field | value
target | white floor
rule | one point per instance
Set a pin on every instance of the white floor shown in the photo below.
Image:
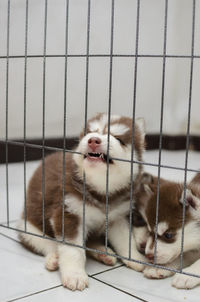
(23, 276)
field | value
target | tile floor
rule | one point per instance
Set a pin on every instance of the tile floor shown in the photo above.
(23, 276)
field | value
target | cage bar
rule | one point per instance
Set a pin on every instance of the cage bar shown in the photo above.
(43, 116)
(188, 131)
(161, 125)
(65, 118)
(25, 94)
(64, 150)
(133, 124)
(7, 108)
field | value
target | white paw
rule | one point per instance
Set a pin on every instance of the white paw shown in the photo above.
(184, 281)
(134, 265)
(51, 261)
(75, 280)
(106, 259)
(156, 273)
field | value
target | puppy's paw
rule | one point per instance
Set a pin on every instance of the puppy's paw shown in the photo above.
(134, 265)
(184, 281)
(156, 273)
(106, 259)
(51, 261)
(75, 280)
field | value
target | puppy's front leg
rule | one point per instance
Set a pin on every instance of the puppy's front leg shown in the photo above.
(71, 258)
(118, 235)
(185, 281)
(151, 272)
(72, 267)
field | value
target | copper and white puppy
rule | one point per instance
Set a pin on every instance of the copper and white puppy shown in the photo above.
(170, 230)
(92, 161)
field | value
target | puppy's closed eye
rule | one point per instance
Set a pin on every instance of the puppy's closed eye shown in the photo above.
(120, 140)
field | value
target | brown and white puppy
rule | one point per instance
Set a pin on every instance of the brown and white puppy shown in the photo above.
(169, 238)
(140, 229)
(92, 161)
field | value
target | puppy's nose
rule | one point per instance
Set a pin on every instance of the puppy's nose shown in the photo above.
(150, 256)
(94, 142)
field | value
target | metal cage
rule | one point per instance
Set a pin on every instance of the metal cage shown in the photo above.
(87, 57)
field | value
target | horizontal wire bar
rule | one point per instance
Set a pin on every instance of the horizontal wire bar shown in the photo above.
(102, 55)
(113, 158)
(100, 252)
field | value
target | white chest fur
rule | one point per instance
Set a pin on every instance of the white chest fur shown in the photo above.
(95, 217)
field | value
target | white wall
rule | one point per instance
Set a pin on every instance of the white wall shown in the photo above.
(149, 78)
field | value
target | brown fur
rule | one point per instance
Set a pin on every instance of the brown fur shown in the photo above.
(28, 246)
(127, 137)
(170, 209)
(170, 195)
(49, 190)
(53, 193)
(196, 179)
(71, 223)
(139, 144)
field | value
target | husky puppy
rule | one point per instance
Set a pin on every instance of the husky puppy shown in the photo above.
(169, 238)
(90, 160)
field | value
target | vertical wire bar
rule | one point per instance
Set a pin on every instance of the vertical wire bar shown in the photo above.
(25, 90)
(188, 131)
(64, 118)
(43, 119)
(161, 126)
(133, 125)
(109, 113)
(86, 111)
(7, 79)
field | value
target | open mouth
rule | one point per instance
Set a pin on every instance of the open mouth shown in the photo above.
(97, 157)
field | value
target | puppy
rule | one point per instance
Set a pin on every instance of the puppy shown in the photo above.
(66, 223)
(140, 229)
(170, 230)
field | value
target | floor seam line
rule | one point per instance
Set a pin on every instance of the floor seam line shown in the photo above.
(35, 293)
(119, 289)
(107, 270)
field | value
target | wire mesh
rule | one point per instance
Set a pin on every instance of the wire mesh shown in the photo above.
(132, 161)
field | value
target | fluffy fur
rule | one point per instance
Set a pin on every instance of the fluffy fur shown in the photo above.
(171, 200)
(90, 162)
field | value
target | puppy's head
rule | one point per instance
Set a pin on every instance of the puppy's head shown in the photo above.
(170, 213)
(94, 149)
(140, 230)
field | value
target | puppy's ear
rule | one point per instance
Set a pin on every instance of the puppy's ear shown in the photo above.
(149, 189)
(191, 201)
(196, 179)
(147, 178)
(81, 135)
(140, 123)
